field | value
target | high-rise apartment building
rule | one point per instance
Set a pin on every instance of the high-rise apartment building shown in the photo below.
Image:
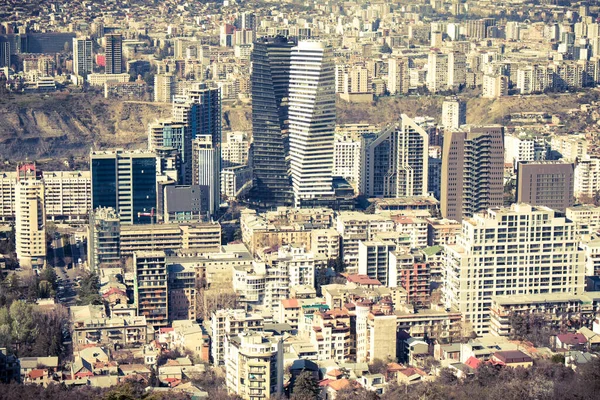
(521, 250)
(228, 322)
(104, 247)
(587, 177)
(398, 76)
(437, 72)
(312, 116)
(30, 218)
(270, 78)
(524, 148)
(125, 181)
(395, 162)
(546, 183)
(151, 287)
(457, 69)
(254, 365)
(472, 171)
(454, 113)
(114, 53)
(82, 57)
(164, 87)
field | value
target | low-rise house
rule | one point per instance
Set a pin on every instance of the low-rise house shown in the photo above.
(28, 364)
(570, 341)
(373, 382)
(512, 358)
(410, 376)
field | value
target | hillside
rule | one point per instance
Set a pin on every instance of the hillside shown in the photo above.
(70, 124)
(64, 125)
(479, 110)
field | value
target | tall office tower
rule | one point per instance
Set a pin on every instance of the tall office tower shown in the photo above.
(82, 57)
(398, 75)
(437, 72)
(254, 365)
(30, 218)
(151, 287)
(165, 134)
(312, 120)
(521, 250)
(454, 113)
(270, 90)
(472, 171)
(164, 87)
(199, 108)
(125, 181)
(546, 183)
(206, 171)
(395, 162)
(114, 53)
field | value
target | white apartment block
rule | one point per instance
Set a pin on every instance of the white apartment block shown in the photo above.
(164, 87)
(325, 243)
(523, 148)
(437, 72)
(519, 250)
(587, 177)
(398, 76)
(570, 147)
(300, 265)
(454, 113)
(355, 227)
(586, 217)
(254, 365)
(331, 335)
(494, 86)
(230, 322)
(373, 259)
(68, 195)
(415, 228)
(590, 244)
(347, 151)
(234, 150)
(30, 222)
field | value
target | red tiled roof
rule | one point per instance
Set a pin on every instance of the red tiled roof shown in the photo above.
(290, 303)
(572, 338)
(362, 280)
(473, 362)
(37, 373)
(335, 373)
(338, 384)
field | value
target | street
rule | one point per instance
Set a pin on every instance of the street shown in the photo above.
(68, 258)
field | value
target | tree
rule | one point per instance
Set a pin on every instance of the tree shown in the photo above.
(386, 49)
(23, 327)
(355, 392)
(306, 387)
(378, 366)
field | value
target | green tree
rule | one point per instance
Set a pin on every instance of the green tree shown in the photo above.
(49, 275)
(306, 387)
(23, 328)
